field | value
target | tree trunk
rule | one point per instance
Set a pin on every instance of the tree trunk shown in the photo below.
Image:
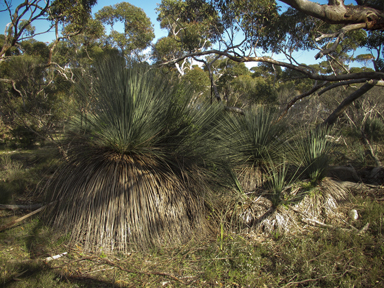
(346, 102)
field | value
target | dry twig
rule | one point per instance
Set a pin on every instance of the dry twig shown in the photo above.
(6, 226)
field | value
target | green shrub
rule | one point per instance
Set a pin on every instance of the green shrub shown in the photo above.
(24, 137)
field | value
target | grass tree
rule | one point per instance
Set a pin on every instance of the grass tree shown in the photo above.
(255, 147)
(139, 164)
(253, 140)
(311, 151)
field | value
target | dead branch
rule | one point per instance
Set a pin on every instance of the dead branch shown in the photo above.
(234, 109)
(343, 83)
(340, 275)
(364, 229)
(9, 225)
(321, 224)
(299, 97)
(370, 149)
(379, 83)
(55, 257)
(315, 222)
(346, 102)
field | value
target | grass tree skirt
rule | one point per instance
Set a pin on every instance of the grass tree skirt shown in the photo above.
(255, 213)
(322, 204)
(109, 201)
(250, 178)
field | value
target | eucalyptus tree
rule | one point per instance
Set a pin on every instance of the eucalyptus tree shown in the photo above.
(138, 31)
(192, 25)
(34, 80)
(26, 13)
(36, 102)
(244, 29)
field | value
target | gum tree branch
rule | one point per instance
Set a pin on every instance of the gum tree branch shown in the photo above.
(347, 101)
(307, 71)
(336, 12)
(339, 37)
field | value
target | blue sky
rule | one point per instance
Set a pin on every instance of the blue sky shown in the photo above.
(149, 7)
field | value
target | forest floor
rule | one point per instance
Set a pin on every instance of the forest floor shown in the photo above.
(314, 257)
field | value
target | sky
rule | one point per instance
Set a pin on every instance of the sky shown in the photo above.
(149, 7)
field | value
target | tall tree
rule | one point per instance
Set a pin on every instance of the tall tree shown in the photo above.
(138, 31)
(34, 85)
(26, 13)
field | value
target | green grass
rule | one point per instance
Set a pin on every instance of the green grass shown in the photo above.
(22, 171)
(325, 258)
(316, 257)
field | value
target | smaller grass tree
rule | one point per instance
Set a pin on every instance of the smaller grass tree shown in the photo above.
(311, 151)
(139, 164)
(253, 140)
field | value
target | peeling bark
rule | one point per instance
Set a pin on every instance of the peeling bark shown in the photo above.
(337, 13)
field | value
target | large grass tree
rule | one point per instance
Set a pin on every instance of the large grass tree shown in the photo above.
(139, 164)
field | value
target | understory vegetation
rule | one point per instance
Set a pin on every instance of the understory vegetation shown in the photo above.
(152, 187)
(310, 257)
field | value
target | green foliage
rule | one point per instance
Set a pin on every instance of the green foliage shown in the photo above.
(191, 23)
(166, 48)
(24, 136)
(142, 156)
(257, 19)
(138, 31)
(71, 11)
(277, 181)
(38, 98)
(17, 178)
(374, 42)
(254, 137)
(311, 151)
(36, 49)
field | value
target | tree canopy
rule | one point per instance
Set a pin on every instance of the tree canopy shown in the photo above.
(138, 31)
(243, 30)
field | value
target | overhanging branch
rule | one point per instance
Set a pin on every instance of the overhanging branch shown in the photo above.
(307, 71)
(347, 101)
(339, 36)
(336, 12)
